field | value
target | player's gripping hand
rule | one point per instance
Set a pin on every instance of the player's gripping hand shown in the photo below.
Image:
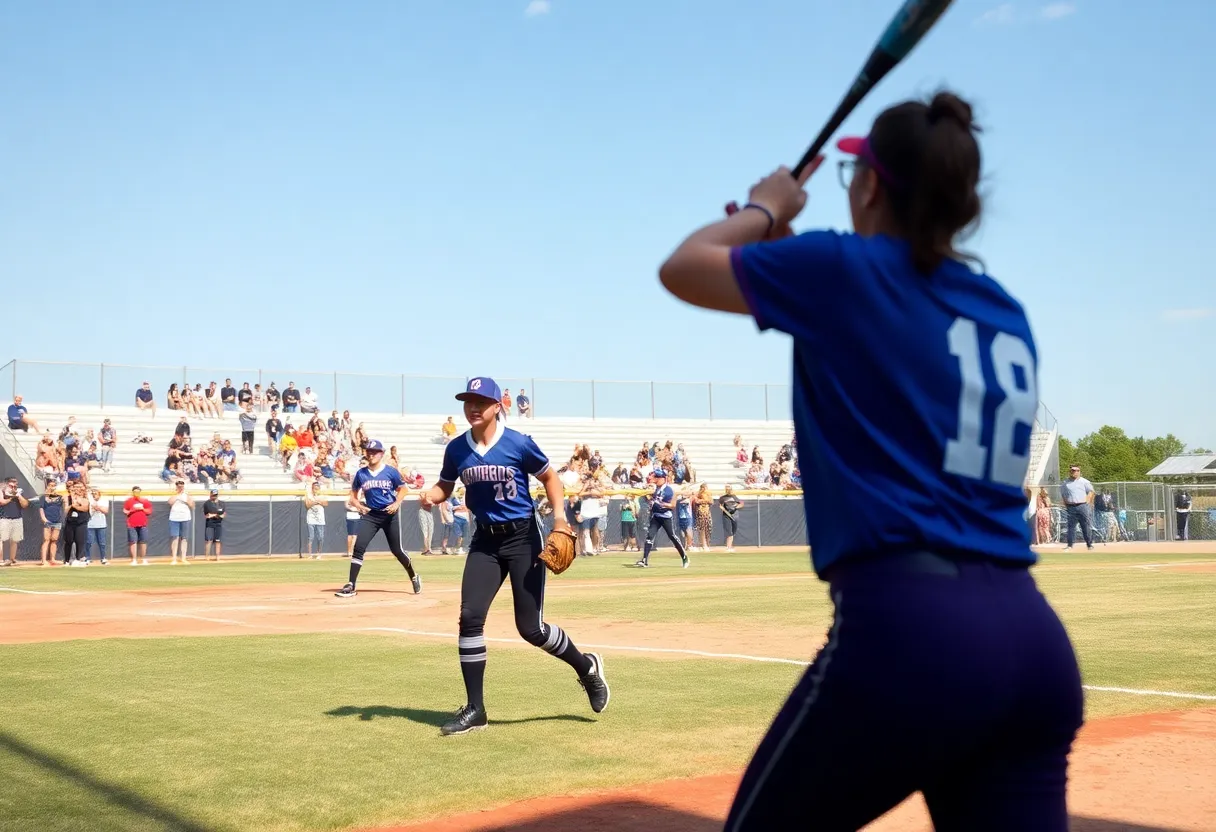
(783, 196)
(392, 509)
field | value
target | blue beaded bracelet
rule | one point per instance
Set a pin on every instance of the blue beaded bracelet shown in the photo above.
(771, 220)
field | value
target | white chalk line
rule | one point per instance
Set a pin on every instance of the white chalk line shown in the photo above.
(40, 591)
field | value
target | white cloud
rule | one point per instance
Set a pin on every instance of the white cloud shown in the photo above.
(537, 8)
(1057, 10)
(1193, 314)
(1002, 15)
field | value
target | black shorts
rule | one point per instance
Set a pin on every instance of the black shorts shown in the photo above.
(629, 528)
(215, 533)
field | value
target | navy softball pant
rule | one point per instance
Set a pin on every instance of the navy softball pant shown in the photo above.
(952, 678)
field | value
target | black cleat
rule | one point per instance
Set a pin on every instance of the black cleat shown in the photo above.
(641, 564)
(467, 719)
(595, 684)
(347, 591)
(417, 584)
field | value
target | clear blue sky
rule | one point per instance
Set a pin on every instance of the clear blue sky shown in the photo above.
(239, 183)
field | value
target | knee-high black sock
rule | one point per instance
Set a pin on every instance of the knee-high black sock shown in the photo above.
(472, 651)
(557, 643)
(356, 563)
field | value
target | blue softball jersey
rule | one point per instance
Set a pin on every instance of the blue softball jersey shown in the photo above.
(662, 494)
(379, 488)
(914, 395)
(495, 478)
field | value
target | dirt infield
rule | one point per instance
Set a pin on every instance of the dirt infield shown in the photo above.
(1150, 773)
(1146, 773)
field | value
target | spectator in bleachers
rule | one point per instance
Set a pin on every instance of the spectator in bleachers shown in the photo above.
(291, 398)
(215, 405)
(173, 398)
(74, 467)
(107, 441)
(51, 513)
(448, 431)
(304, 440)
(636, 478)
(137, 510)
(144, 400)
(207, 470)
(230, 472)
(316, 426)
(228, 396)
(303, 471)
(620, 474)
(46, 461)
(360, 445)
(12, 526)
(274, 433)
(19, 416)
(757, 459)
(189, 404)
(340, 471)
(259, 399)
(333, 423)
(308, 401)
(244, 396)
(523, 404)
(506, 404)
(703, 519)
(249, 424)
(181, 512)
(273, 396)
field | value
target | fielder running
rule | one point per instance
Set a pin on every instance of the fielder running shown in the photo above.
(383, 490)
(662, 501)
(494, 463)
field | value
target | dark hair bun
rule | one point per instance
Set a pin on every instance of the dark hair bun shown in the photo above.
(946, 105)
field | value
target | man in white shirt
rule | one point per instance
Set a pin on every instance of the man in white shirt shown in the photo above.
(1077, 494)
(308, 401)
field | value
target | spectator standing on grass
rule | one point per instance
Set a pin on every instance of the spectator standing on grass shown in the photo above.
(228, 396)
(703, 518)
(144, 400)
(1182, 509)
(76, 525)
(729, 504)
(426, 521)
(214, 512)
(1077, 494)
(629, 523)
(99, 521)
(12, 526)
(50, 511)
(448, 521)
(181, 511)
(19, 416)
(249, 424)
(314, 519)
(137, 510)
(352, 522)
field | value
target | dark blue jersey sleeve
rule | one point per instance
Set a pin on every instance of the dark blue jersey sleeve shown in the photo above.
(450, 470)
(532, 459)
(792, 284)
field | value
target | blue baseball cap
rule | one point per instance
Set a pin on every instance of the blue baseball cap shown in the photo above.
(374, 445)
(480, 388)
(659, 472)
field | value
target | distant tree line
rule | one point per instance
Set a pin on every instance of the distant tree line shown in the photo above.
(1110, 455)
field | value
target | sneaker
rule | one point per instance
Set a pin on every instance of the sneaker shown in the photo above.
(417, 583)
(347, 591)
(685, 563)
(641, 564)
(467, 719)
(595, 684)
(104, 561)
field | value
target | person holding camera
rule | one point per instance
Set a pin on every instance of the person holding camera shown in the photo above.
(12, 526)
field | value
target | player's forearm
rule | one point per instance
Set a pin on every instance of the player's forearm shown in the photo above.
(439, 493)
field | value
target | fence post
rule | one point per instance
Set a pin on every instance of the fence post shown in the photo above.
(759, 522)
(184, 371)
(592, 398)
(335, 392)
(766, 402)
(403, 394)
(532, 413)
(14, 379)
(710, 387)
(652, 400)
(270, 525)
(101, 386)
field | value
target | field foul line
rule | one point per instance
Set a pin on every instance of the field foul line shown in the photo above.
(41, 591)
(1134, 692)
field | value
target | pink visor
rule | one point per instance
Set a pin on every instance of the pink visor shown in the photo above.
(860, 147)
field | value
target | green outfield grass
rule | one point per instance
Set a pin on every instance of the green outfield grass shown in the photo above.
(333, 731)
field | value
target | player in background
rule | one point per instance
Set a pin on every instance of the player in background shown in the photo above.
(662, 501)
(382, 490)
(914, 395)
(494, 463)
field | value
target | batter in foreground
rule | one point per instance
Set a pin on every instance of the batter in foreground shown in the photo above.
(915, 391)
